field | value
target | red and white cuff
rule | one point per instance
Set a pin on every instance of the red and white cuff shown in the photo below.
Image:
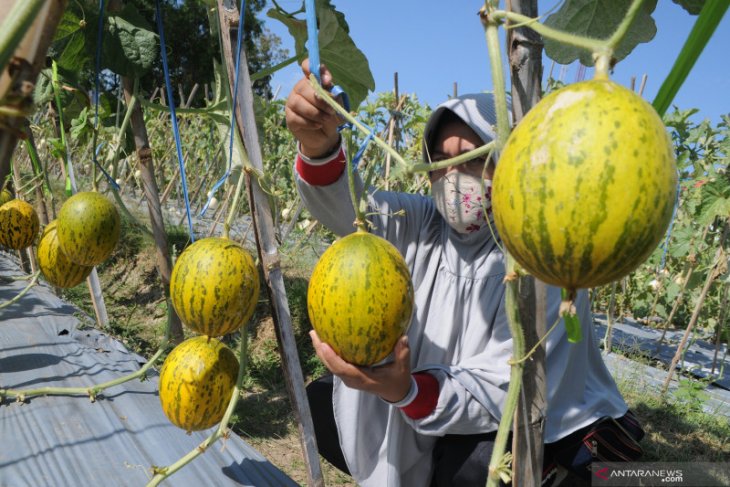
(422, 397)
(323, 171)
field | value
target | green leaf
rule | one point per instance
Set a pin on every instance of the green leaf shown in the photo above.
(714, 201)
(681, 242)
(598, 19)
(691, 6)
(131, 45)
(337, 50)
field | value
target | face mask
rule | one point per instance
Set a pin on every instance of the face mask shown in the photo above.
(461, 201)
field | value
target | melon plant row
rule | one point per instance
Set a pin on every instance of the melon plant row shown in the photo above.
(214, 289)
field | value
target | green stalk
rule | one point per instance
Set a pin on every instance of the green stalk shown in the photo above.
(705, 25)
(620, 32)
(587, 43)
(499, 462)
(59, 107)
(237, 195)
(33, 152)
(265, 72)
(22, 293)
(359, 213)
(454, 161)
(325, 95)
(92, 392)
(161, 473)
(500, 96)
(16, 24)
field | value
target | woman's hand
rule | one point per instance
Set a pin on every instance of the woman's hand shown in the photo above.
(391, 381)
(310, 119)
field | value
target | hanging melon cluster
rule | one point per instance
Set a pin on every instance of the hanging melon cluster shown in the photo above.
(214, 289)
(19, 222)
(83, 236)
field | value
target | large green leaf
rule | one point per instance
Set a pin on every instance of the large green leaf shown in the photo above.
(69, 43)
(691, 6)
(715, 200)
(598, 19)
(130, 45)
(348, 64)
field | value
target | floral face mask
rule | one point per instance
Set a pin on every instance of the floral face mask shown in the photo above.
(460, 199)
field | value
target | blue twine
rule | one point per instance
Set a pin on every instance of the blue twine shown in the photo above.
(312, 39)
(97, 70)
(239, 42)
(173, 117)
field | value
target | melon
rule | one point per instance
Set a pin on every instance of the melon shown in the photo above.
(88, 228)
(19, 224)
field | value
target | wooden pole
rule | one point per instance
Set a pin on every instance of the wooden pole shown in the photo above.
(266, 241)
(525, 58)
(21, 75)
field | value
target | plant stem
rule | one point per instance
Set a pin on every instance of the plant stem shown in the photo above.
(537, 345)
(237, 195)
(618, 35)
(324, 95)
(454, 161)
(265, 72)
(587, 43)
(92, 392)
(16, 24)
(500, 96)
(496, 463)
(222, 430)
(22, 293)
(70, 185)
(359, 213)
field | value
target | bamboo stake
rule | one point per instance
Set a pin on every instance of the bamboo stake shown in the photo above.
(266, 242)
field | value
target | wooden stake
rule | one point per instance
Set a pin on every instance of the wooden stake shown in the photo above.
(266, 242)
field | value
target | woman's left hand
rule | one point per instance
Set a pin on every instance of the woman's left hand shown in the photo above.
(391, 381)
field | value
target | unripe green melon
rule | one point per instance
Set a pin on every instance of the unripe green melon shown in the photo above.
(585, 186)
(19, 224)
(56, 268)
(360, 298)
(88, 228)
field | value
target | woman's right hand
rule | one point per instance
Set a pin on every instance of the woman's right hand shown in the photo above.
(310, 119)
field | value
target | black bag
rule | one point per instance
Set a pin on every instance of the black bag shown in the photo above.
(606, 440)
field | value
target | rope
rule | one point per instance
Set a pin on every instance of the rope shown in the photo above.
(173, 118)
(239, 42)
(97, 70)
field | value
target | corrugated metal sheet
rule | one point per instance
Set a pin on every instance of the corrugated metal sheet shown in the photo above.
(70, 441)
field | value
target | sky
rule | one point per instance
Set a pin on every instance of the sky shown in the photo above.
(434, 43)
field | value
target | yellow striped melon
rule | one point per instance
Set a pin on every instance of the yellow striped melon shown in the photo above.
(5, 196)
(585, 186)
(214, 286)
(88, 228)
(56, 268)
(360, 297)
(196, 383)
(19, 224)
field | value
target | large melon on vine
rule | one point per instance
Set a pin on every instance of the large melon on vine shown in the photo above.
(585, 186)
(19, 224)
(360, 297)
(196, 383)
(214, 286)
(88, 228)
(56, 268)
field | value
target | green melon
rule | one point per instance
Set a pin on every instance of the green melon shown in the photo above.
(214, 286)
(56, 268)
(585, 186)
(360, 298)
(197, 381)
(19, 224)
(88, 228)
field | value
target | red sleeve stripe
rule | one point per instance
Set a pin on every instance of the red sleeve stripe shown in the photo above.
(427, 397)
(321, 174)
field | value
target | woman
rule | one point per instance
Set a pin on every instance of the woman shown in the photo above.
(429, 417)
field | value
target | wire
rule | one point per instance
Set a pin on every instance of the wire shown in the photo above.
(173, 117)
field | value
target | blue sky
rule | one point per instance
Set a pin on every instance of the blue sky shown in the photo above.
(434, 43)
